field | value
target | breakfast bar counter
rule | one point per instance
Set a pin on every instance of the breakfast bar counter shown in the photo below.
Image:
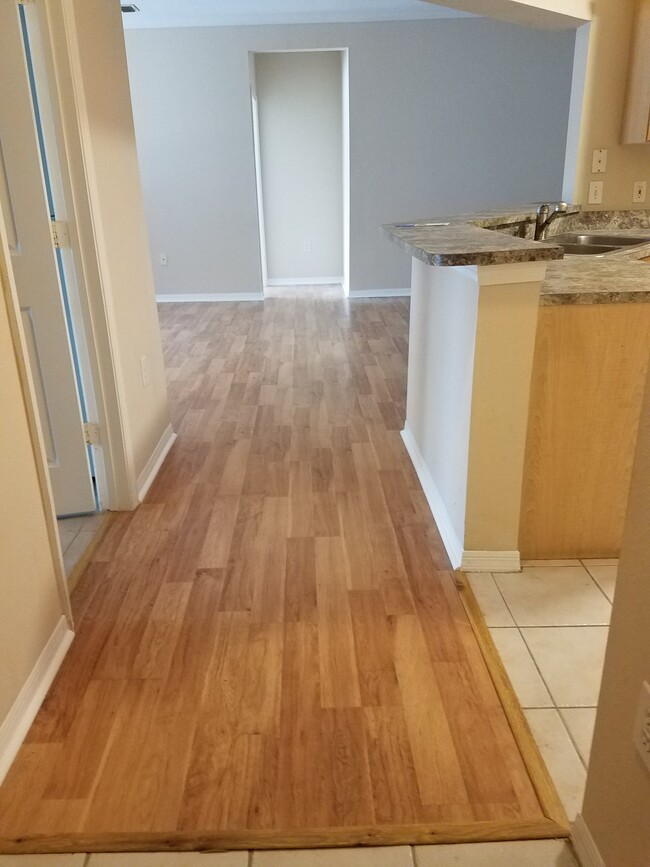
(525, 378)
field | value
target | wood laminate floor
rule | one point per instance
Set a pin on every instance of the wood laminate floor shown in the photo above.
(273, 644)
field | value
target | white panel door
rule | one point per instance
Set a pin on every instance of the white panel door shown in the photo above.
(23, 199)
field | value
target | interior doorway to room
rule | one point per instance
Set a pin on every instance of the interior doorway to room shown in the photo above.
(31, 212)
(36, 214)
(301, 132)
(33, 206)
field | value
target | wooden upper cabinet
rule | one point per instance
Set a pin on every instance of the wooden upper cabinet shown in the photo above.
(636, 118)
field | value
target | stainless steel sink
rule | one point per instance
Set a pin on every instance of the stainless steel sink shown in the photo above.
(585, 244)
(587, 249)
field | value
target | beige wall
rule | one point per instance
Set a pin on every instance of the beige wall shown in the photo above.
(30, 605)
(503, 363)
(109, 236)
(617, 800)
(300, 125)
(118, 201)
(602, 111)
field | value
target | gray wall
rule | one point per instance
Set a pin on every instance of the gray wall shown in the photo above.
(445, 116)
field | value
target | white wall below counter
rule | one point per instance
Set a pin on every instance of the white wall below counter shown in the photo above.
(448, 116)
(471, 343)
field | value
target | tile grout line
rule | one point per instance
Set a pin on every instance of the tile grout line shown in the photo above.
(584, 566)
(530, 652)
(546, 686)
(571, 738)
(539, 671)
(551, 626)
(555, 706)
(518, 628)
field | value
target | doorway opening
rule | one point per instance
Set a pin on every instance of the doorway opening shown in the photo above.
(34, 205)
(300, 113)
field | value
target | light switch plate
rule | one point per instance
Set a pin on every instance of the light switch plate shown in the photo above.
(599, 161)
(638, 192)
(596, 192)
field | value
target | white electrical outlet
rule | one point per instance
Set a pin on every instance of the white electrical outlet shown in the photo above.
(596, 192)
(307, 246)
(144, 370)
(163, 258)
(599, 161)
(638, 193)
(642, 727)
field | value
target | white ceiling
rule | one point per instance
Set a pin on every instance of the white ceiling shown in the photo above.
(210, 13)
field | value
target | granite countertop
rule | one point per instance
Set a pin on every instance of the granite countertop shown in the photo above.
(471, 239)
(487, 238)
(616, 277)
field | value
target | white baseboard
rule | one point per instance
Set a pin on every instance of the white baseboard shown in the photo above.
(21, 715)
(379, 293)
(154, 463)
(438, 508)
(304, 281)
(491, 561)
(209, 296)
(584, 844)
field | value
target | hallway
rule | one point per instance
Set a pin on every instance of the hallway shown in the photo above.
(272, 649)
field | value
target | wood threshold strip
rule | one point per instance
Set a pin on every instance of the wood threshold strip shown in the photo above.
(531, 756)
(556, 824)
(326, 838)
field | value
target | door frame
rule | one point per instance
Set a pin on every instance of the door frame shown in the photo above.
(41, 113)
(61, 80)
(345, 143)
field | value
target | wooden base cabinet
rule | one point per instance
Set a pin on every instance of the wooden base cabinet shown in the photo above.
(588, 377)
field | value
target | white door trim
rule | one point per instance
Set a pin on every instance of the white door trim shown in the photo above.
(63, 63)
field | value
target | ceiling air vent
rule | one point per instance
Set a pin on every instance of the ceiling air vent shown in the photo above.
(129, 7)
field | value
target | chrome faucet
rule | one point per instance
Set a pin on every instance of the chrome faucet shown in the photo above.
(545, 217)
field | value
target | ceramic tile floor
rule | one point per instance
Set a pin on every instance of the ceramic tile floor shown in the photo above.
(550, 626)
(529, 853)
(548, 623)
(75, 535)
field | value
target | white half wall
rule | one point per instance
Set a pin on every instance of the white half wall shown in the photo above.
(471, 342)
(445, 116)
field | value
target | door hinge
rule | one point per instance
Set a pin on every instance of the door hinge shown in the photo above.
(60, 234)
(91, 433)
